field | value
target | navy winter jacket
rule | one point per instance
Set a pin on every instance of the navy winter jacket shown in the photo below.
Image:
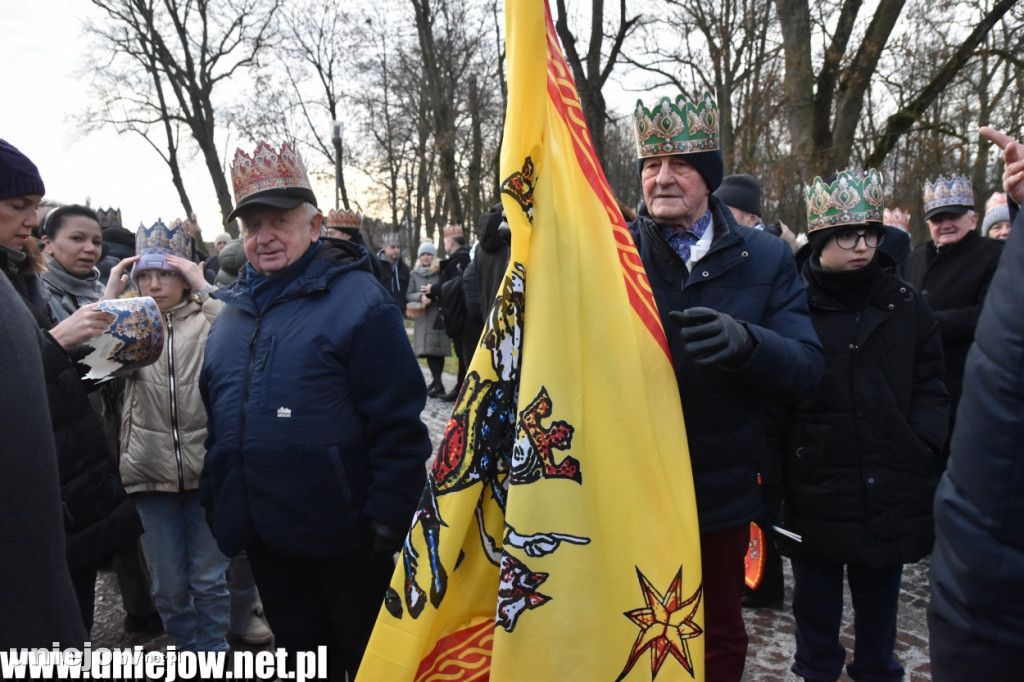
(314, 405)
(977, 571)
(752, 277)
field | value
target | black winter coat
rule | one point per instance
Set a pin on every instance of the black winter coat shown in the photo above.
(394, 277)
(39, 604)
(752, 277)
(977, 571)
(954, 281)
(99, 519)
(861, 461)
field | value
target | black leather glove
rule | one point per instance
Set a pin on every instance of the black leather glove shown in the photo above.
(713, 338)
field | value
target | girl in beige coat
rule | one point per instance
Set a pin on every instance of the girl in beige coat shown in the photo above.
(162, 433)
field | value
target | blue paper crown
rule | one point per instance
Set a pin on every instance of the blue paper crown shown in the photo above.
(160, 239)
(956, 191)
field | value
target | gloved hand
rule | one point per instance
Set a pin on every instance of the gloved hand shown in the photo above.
(713, 338)
(387, 540)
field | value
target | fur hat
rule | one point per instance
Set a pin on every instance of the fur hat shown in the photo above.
(19, 177)
(742, 192)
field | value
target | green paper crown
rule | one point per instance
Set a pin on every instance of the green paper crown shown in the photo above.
(676, 128)
(855, 198)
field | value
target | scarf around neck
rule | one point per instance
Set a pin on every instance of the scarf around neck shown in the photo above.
(83, 290)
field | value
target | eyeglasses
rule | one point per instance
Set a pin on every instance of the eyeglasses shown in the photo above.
(849, 240)
(164, 276)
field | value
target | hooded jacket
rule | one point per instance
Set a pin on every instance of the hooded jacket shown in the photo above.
(314, 403)
(163, 426)
(752, 277)
(862, 457)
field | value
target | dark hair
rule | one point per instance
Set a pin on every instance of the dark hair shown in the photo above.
(54, 220)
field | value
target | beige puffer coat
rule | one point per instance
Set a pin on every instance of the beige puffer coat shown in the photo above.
(164, 422)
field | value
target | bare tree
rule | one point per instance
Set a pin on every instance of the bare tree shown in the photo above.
(825, 108)
(588, 70)
(186, 48)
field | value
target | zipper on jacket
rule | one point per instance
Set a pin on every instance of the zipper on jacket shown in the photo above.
(248, 383)
(175, 433)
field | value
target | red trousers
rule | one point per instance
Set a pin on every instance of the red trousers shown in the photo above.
(725, 637)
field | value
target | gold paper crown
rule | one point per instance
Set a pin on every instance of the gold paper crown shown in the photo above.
(453, 230)
(956, 191)
(856, 197)
(161, 239)
(267, 169)
(109, 217)
(995, 201)
(897, 217)
(676, 128)
(344, 219)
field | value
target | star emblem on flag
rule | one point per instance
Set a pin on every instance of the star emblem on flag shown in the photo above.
(666, 625)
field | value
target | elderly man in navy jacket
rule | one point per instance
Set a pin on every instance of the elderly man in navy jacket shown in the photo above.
(740, 334)
(316, 451)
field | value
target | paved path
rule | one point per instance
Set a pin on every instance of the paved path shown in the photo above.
(771, 632)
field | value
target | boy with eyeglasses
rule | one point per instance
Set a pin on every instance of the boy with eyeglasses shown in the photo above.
(862, 453)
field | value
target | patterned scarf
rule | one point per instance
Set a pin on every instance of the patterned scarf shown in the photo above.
(680, 240)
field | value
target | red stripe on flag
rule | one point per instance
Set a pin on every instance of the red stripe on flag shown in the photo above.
(565, 99)
(462, 656)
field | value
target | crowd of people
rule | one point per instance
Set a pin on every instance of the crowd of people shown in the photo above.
(255, 480)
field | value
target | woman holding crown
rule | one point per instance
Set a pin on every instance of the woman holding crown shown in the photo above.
(861, 461)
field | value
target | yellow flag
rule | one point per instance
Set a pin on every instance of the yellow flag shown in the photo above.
(557, 538)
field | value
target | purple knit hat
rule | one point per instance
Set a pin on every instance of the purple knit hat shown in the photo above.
(19, 177)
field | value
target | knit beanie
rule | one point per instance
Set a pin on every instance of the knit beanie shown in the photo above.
(996, 211)
(19, 177)
(708, 164)
(742, 192)
(426, 247)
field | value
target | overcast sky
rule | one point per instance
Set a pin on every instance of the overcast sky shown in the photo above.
(40, 52)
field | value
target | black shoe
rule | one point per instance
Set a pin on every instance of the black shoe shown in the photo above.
(451, 395)
(151, 623)
(435, 389)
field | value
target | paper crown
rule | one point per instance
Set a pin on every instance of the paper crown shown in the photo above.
(856, 197)
(109, 217)
(997, 200)
(956, 191)
(453, 230)
(676, 127)
(267, 169)
(344, 219)
(897, 217)
(160, 239)
(391, 239)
